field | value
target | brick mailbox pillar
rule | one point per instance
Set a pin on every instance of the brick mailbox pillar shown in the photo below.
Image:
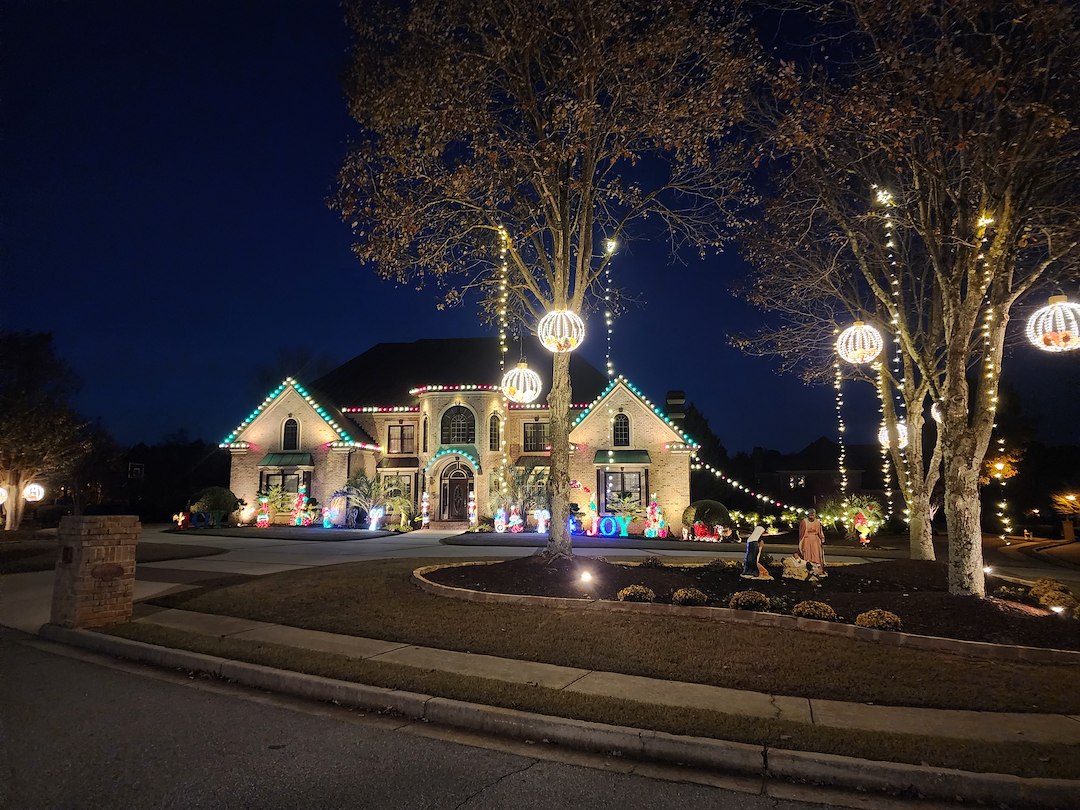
(95, 574)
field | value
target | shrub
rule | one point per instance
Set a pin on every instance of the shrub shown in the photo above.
(689, 596)
(1058, 599)
(749, 600)
(1044, 587)
(651, 562)
(777, 604)
(711, 513)
(767, 560)
(218, 501)
(636, 593)
(688, 516)
(879, 619)
(1011, 592)
(720, 564)
(814, 610)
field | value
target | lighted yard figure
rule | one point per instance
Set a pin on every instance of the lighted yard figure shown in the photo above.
(862, 527)
(516, 524)
(374, 516)
(542, 517)
(654, 522)
(500, 520)
(425, 511)
(328, 517)
(298, 513)
(262, 516)
(593, 522)
(472, 507)
(181, 519)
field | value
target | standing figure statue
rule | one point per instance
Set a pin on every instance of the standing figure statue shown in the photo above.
(812, 542)
(752, 567)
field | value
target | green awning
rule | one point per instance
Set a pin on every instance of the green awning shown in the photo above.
(622, 457)
(287, 460)
(398, 463)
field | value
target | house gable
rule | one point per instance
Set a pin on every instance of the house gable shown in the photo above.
(592, 426)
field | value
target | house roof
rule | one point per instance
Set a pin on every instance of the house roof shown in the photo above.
(349, 433)
(385, 373)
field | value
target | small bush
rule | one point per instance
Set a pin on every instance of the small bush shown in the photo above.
(636, 593)
(218, 501)
(651, 562)
(879, 619)
(1011, 592)
(777, 604)
(749, 600)
(1046, 585)
(711, 513)
(1058, 599)
(767, 560)
(814, 610)
(689, 596)
(719, 564)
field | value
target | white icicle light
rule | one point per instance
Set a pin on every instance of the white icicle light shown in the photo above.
(859, 343)
(34, 492)
(1055, 327)
(901, 434)
(521, 384)
(561, 331)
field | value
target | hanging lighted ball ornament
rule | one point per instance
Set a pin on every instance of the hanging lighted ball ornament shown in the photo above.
(521, 384)
(3, 495)
(1055, 327)
(859, 343)
(935, 413)
(901, 435)
(34, 492)
(561, 331)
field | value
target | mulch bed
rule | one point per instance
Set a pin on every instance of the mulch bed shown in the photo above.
(915, 590)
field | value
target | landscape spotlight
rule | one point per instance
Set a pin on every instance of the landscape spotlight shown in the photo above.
(987, 569)
(1058, 609)
(586, 576)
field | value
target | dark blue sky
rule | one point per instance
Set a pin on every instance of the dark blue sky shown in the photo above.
(164, 169)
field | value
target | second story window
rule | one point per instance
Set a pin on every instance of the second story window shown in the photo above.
(401, 439)
(537, 437)
(493, 432)
(620, 430)
(458, 426)
(290, 435)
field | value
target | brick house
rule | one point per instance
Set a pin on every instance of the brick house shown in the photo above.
(430, 415)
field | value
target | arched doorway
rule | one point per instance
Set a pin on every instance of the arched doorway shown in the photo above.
(455, 482)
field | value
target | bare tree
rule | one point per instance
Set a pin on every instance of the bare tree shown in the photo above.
(929, 167)
(535, 131)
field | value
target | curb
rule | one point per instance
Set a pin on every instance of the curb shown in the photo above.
(719, 755)
(977, 649)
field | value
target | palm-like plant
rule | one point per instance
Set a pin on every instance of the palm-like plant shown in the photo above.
(368, 492)
(516, 486)
(626, 505)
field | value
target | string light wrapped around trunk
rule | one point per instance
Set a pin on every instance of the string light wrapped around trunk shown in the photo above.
(521, 384)
(561, 331)
(1055, 327)
(859, 343)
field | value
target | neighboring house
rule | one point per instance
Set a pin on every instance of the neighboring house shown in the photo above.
(429, 415)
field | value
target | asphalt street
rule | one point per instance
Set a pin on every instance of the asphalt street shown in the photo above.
(79, 732)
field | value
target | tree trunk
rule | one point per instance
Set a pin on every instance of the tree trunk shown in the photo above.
(962, 514)
(559, 544)
(15, 505)
(920, 529)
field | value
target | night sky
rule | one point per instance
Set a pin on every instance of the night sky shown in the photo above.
(165, 168)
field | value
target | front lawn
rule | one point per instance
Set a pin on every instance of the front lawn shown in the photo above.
(379, 599)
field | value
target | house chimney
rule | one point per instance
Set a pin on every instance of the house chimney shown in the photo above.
(676, 405)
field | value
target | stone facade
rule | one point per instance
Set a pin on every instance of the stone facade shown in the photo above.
(94, 582)
(427, 464)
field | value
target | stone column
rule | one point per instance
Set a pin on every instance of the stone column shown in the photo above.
(95, 573)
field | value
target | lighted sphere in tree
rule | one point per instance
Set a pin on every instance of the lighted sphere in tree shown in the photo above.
(859, 343)
(561, 331)
(34, 492)
(3, 495)
(521, 384)
(901, 435)
(1055, 327)
(935, 412)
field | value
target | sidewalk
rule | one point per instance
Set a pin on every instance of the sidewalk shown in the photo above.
(973, 726)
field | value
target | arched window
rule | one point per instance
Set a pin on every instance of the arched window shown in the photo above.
(458, 426)
(493, 432)
(620, 430)
(425, 435)
(290, 435)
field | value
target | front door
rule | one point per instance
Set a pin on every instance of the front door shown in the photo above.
(456, 483)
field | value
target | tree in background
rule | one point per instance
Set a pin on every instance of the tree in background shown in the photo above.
(41, 437)
(932, 174)
(533, 132)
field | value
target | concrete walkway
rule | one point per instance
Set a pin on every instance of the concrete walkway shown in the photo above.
(952, 724)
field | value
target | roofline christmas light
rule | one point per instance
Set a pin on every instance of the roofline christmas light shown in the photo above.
(289, 382)
(611, 386)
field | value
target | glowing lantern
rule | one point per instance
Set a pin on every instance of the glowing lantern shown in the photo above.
(521, 384)
(561, 331)
(3, 495)
(1055, 327)
(935, 412)
(34, 492)
(859, 343)
(901, 434)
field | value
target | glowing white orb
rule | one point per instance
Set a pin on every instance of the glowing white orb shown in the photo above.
(859, 343)
(935, 413)
(561, 331)
(521, 384)
(34, 492)
(1055, 327)
(901, 434)
(3, 495)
